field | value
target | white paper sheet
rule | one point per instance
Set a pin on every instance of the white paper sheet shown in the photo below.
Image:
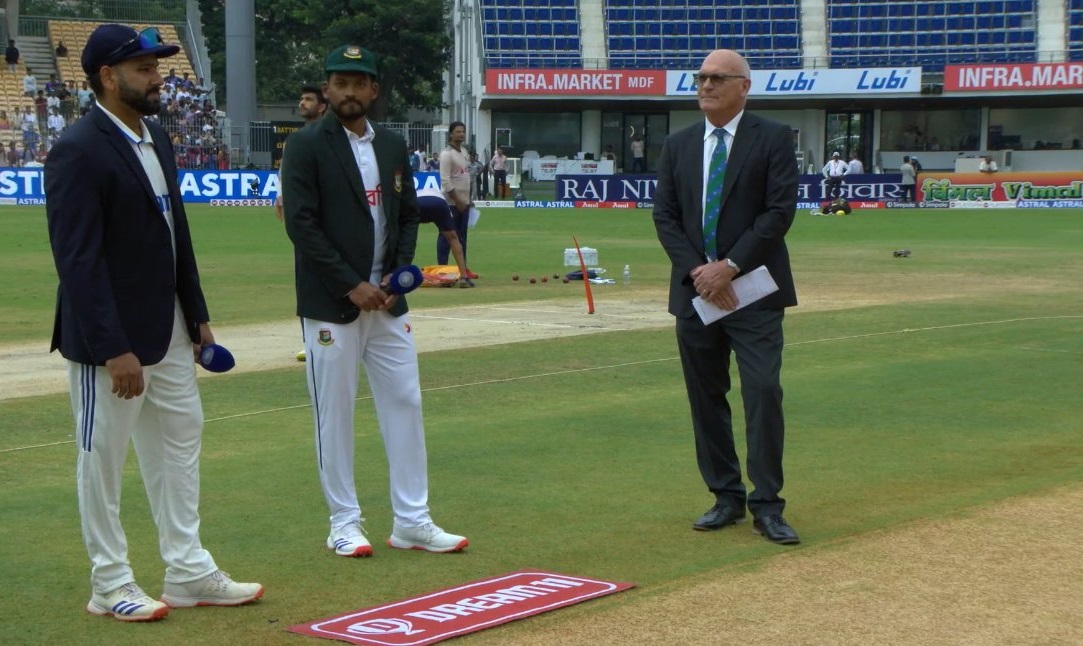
(749, 288)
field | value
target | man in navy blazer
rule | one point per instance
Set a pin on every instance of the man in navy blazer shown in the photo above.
(712, 237)
(130, 313)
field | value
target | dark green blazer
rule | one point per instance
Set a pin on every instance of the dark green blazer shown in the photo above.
(329, 221)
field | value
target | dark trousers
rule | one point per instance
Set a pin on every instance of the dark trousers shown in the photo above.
(443, 249)
(907, 192)
(834, 185)
(639, 164)
(755, 338)
(500, 183)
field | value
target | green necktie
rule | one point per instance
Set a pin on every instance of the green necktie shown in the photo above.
(713, 207)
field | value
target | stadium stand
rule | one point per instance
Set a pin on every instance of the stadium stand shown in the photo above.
(1075, 30)
(531, 33)
(75, 33)
(930, 34)
(677, 34)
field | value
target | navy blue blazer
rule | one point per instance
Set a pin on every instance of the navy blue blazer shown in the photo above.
(759, 201)
(119, 280)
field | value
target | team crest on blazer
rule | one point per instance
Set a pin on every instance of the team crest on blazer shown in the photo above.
(398, 181)
(325, 337)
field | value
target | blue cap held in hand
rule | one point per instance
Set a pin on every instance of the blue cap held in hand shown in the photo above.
(215, 358)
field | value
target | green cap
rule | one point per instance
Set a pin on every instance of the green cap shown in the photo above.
(351, 58)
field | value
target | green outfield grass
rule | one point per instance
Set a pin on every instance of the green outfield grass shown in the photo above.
(930, 385)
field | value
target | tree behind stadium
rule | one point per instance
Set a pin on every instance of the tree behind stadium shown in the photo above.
(411, 40)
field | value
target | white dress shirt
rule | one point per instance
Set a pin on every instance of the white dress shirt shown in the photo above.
(365, 156)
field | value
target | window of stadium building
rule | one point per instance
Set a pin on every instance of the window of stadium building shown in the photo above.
(556, 133)
(1035, 129)
(912, 131)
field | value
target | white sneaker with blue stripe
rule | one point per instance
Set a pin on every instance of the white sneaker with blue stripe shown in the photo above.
(127, 603)
(215, 589)
(349, 540)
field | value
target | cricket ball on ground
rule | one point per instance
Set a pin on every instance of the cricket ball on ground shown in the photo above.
(533, 280)
(567, 280)
(515, 276)
(545, 279)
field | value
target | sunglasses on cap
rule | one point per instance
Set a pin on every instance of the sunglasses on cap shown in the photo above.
(149, 38)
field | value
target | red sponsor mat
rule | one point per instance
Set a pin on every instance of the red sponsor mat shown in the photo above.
(463, 609)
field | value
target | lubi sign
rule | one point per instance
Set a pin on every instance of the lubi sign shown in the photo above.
(879, 80)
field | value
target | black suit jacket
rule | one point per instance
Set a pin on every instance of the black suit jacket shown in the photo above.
(759, 200)
(119, 279)
(328, 218)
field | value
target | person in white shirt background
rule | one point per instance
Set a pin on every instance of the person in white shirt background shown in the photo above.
(855, 167)
(987, 165)
(834, 170)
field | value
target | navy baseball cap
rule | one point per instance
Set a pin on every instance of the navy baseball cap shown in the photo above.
(110, 44)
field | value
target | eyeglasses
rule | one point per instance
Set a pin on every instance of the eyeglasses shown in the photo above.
(716, 79)
(149, 38)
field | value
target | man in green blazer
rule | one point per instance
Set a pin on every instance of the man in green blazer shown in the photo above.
(351, 212)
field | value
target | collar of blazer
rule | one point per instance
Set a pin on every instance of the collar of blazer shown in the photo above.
(119, 141)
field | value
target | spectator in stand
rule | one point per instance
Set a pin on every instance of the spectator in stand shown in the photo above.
(52, 101)
(30, 84)
(66, 96)
(11, 55)
(61, 49)
(55, 122)
(5, 123)
(204, 88)
(172, 77)
(29, 156)
(167, 93)
(187, 83)
(41, 105)
(223, 157)
(52, 85)
(85, 97)
(12, 155)
(30, 127)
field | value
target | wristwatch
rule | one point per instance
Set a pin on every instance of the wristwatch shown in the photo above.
(732, 264)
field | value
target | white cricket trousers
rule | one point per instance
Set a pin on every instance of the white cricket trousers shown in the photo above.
(166, 424)
(384, 344)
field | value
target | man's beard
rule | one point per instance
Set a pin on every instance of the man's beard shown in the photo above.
(349, 110)
(141, 103)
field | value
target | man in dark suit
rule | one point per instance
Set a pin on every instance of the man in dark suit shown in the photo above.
(130, 312)
(726, 196)
(351, 211)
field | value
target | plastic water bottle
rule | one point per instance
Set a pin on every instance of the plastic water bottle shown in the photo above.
(626, 275)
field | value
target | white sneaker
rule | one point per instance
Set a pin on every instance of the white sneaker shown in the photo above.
(215, 589)
(427, 537)
(127, 603)
(350, 541)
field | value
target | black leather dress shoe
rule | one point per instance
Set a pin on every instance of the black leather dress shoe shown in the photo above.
(775, 529)
(718, 517)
